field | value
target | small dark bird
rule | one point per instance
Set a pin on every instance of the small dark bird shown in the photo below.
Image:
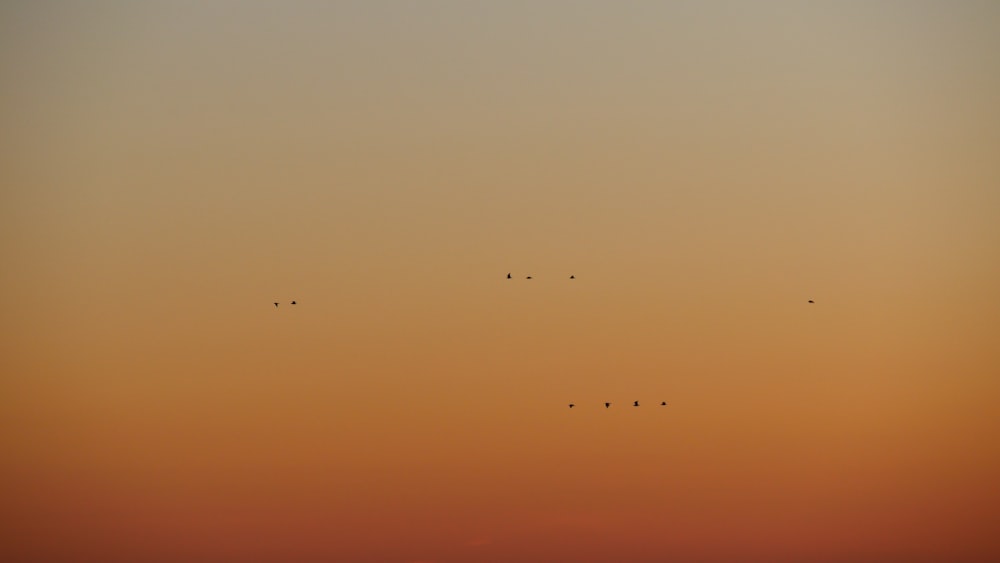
(572, 277)
(663, 404)
(811, 301)
(571, 405)
(607, 405)
(635, 404)
(275, 305)
(528, 278)
(293, 303)
(508, 275)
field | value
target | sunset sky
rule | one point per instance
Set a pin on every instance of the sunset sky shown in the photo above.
(169, 169)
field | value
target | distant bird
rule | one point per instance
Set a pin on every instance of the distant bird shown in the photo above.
(508, 275)
(663, 404)
(635, 404)
(607, 405)
(811, 301)
(293, 303)
(528, 278)
(572, 277)
(275, 305)
(571, 405)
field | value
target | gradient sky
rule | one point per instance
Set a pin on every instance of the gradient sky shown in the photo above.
(169, 169)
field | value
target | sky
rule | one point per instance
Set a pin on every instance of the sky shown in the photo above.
(169, 170)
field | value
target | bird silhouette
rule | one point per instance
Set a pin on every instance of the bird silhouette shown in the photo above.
(663, 404)
(293, 303)
(508, 275)
(571, 405)
(528, 278)
(811, 301)
(276, 305)
(572, 277)
(635, 404)
(607, 405)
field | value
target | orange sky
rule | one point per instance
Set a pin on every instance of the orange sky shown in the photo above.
(169, 169)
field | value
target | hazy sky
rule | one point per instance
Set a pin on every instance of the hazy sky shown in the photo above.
(170, 169)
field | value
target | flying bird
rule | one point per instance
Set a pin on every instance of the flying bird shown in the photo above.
(275, 305)
(528, 278)
(607, 405)
(636, 404)
(811, 301)
(571, 405)
(572, 277)
(508, 275)
(663, 404)
(293, 303)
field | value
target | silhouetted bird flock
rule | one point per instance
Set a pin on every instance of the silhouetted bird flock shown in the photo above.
(634, 404)
(529, 277)
(607, 405)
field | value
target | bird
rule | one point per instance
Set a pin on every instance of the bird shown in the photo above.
(528, 278)
(571, 405)
(276, 305)
(635, 404)
(508, 275)
(572, 277)
(607, 405)
(663, 404)
(811, 301)
(293, 303)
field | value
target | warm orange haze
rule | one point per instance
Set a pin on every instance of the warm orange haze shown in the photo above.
(170, 170)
